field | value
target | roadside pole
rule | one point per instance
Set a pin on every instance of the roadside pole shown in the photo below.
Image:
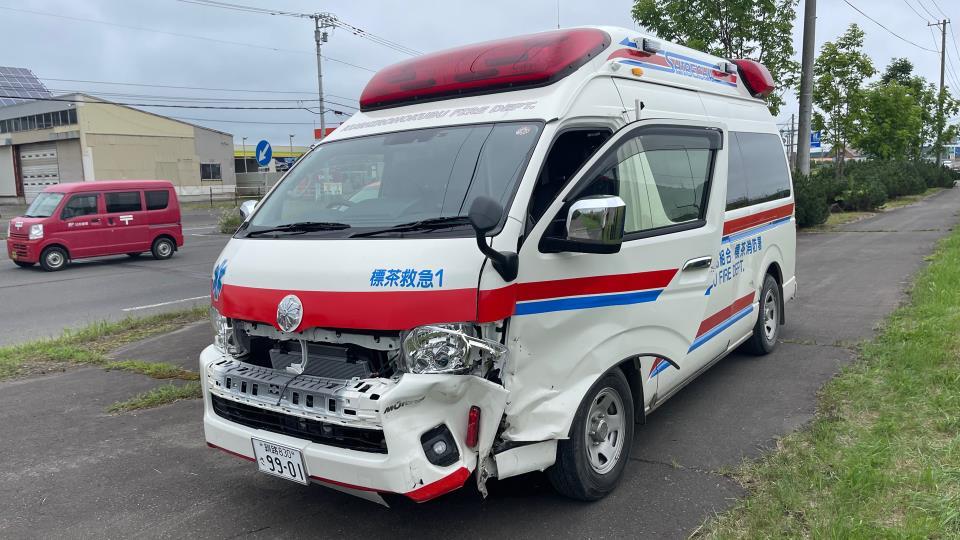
(806, 86)
(941, 121)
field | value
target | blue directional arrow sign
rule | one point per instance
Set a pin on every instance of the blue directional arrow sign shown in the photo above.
(264, 153)
(814, 139)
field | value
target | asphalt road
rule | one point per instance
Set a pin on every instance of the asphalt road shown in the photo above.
(34, 303)
(70, 468)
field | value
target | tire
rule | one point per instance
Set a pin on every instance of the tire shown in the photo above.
(23, 264)
(582, 470)
(162, 248)
(133, 255)
(53, 258)
(767, 330)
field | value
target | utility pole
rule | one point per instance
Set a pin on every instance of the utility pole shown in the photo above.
(321, 22)
(943, 58)
(244, 154)
(793, 149)
(806, 86)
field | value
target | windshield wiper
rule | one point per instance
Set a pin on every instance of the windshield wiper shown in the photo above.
(431, 224)
(301, 227)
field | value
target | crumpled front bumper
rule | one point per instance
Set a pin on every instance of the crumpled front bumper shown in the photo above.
(405, 410)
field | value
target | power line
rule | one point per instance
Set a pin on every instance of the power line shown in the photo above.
(898, 36)
(224, 107)
(244, 121)
(915, 11)
(920, 3)
(938, 8)
(157, 85)
(194, 99)
(177, 34)
(327, 17)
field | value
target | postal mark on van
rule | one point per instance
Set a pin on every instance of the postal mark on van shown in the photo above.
(502, 238)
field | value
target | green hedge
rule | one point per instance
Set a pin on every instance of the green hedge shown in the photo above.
(863, 186)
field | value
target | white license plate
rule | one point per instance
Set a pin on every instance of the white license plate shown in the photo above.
(279, 460)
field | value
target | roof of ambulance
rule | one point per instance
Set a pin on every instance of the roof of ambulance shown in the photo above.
(673, 65)
(106, 185)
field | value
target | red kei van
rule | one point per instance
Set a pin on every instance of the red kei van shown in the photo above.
(92, 219)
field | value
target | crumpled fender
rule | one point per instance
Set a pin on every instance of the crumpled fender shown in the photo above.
(420, 402)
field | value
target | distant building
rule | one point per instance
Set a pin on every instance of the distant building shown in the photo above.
(81, 138)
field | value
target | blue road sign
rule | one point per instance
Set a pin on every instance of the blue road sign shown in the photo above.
(264, 153)
(814, 139)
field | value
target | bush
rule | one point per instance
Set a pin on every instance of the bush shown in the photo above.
(865, 191)
(810, 198)
(229, 221)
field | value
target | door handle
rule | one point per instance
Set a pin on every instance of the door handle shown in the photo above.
(699, 263)
(95, 220)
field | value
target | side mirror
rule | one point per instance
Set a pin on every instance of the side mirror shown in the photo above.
(485, 214)
(594, 225)
(247, 208)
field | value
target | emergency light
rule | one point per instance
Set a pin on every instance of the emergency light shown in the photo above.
(756, 76)
(507, 64)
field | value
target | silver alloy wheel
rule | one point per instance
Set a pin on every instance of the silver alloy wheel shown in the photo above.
(164, 249)
(770, 318)
(55, 259)
(605, 429)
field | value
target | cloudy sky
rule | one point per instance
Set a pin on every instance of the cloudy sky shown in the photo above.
(153, 44)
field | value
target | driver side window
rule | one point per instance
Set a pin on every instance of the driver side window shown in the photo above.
(80, 205)
(663, 177)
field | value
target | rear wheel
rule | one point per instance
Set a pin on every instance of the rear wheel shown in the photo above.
(767, 329)
(590, 463)
(53, 258)
(162, 248)
(23, 264)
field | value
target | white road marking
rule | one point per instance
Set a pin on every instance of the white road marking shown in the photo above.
(200, 228)
(165, 303)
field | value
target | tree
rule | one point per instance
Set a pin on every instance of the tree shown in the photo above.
(889, 122)
(761, 30)
(839, 73)
(899, 70)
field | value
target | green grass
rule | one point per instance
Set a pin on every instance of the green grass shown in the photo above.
(155, 370)
(882, 457)
(90, 344)
(161, 395)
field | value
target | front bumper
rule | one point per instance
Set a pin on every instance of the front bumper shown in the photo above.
(404, 410)
(23, 250)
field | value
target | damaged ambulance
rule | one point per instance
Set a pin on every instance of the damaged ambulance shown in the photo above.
(511, 255)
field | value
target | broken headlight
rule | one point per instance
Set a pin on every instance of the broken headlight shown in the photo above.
(226, 338)
(447, 348)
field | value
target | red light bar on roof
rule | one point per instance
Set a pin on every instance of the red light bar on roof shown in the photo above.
(494, 66)
(756, 76)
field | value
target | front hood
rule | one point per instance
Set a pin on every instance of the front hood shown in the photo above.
(389, 284)
(25, 223)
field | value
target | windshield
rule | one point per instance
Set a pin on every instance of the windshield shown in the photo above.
(44, 205)
(381, 181)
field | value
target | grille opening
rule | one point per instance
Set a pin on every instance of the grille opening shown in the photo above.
(332, 405)
(328, 360)
(363, 440)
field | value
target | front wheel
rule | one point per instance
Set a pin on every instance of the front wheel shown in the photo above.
(162, 248)
(53, 258)
(590, 463)
(767, 329)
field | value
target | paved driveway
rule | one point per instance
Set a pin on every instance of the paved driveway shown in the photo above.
(71, 469)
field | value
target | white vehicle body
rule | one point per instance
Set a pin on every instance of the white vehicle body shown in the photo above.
(681, 292)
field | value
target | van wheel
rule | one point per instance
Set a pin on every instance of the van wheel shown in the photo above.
(162, 248)
(23, 264)
(767, 329)
(53, 258)
(590, 463)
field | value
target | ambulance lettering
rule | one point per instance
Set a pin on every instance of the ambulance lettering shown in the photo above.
(407, 278)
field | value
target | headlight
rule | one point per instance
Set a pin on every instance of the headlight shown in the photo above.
(447, 348)
(225, 336)
(36, 231)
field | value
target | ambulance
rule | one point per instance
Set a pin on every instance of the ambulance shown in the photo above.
(510, 256)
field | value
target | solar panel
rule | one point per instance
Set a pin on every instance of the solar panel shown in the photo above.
(18, 85)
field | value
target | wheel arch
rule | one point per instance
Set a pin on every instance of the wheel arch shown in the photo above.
(167, 236)
(54, 244)
(774, 270)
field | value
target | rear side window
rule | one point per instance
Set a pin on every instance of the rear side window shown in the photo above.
(80, 205)
(737, 196)
(157, 200)
(767, 176)
(123, 201)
